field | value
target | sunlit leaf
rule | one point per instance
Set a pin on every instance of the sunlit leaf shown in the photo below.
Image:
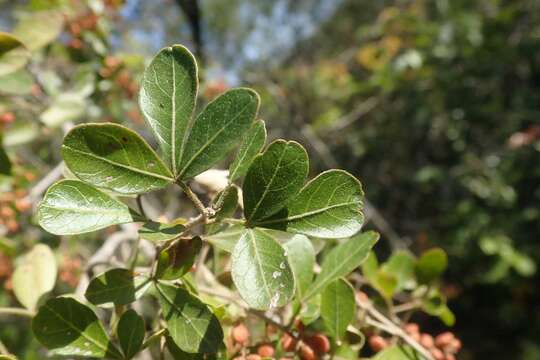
(34, 275)
(261, 271)
(65, 107)
(217, 129)
(73, 207)
(17, 83)
(343, 259)
(226, 239)
(167, 99)
(191, 324)
(13, 54)
(179, 259)
(37, 29)
(156, 232)
(301, 257)
(329, 206)
(253, 143)
(337, 307)
(114, 157)
(273, 178)
(70, 328)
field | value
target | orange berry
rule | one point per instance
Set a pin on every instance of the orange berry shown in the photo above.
(12, 225)
(288, 343)
(450, 357)
(240, 334)
(7, 117)
(285, 358)
(299, 325)
(411, 328)
(6, 212)
(377, 343)
(437, 354)
(319, 343)
(362, 297)
(306, 353)
(454, 346)
(444, 339)
(426, 341)
(22, 204)
(266, 350)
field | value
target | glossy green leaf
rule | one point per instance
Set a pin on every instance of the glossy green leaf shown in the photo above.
(431, 265)
(34, 275)
(343, 259)
(261, 271)
(386, 283)
(397, 353)
(337, 307)
(253, 143)
(301, 256)
(273, 178)
(130, 332)
(70, 328)
(73, 207)
(370, 266)
(226, 239)
(217, 129)
(13, 54)
(178, 260)
(156, 232)
(179, 354)
(191, 324)
(38, 29)
(114, 157)
(329, 206)
(17, 83)
(167, 99)
(311, 310)
(118, 286)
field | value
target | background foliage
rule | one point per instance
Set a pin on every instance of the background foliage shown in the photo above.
(434, 105)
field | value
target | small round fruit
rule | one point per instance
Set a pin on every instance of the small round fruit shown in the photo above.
(426, 341)
(444, 339)
(437, 354)
(306, 352)
(319, 343)
(288, 343)
(266, 350)
(240, 334)
(411, 328)
(377, 343)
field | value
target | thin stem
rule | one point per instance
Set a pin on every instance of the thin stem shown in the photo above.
(194, 199)
(234, 221)
(152, 338)
(405, 307)
(16, 311)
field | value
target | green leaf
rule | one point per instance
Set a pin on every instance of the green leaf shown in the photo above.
(337, 307)
(301, 256)
(226, 203)
(130, 333)
(226, 239)
(217, 129)
(431, 265)
(13, 54)
(167, 99)
(329, 206)
(113, 157)
(73, 207)
(179, 259)
(118, 286)
(386, 283)
(311, 310)
(397, 352)
(17, 83)
(156, 232)
(273, 178)
(343, 259)
(261, 271)
(38, 29)
(179, 354)
(65, 107)
(401, 265)
(191, 324)
(370, 267)
(251, 146)
(70, 328)
(34, 275)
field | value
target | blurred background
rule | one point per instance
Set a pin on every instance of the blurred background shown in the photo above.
(433, 104)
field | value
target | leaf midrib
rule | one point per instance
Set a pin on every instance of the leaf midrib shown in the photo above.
(307, 214)
(114, 163)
